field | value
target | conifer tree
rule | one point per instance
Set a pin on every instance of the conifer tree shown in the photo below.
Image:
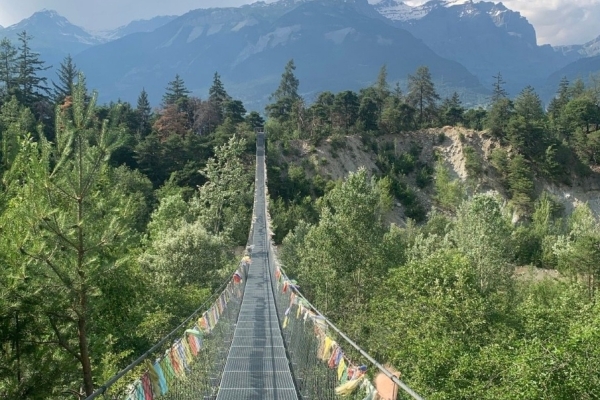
(143, 112)
(499, 92)
(67, 76)
(286, 94)
(452, 110)
(8, 67)
(422, 94)
(74, 230)
(176, 92)
(217, 96)
(382, 87)
(32, 88)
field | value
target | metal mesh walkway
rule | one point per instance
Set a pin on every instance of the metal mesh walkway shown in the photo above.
(257, 366)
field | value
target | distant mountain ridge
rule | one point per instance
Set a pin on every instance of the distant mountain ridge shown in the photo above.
(335, 46)
(465, 43)
(137, 26)
(485, 37)
(589, 49)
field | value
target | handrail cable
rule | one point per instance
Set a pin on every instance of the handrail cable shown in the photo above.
(382, 368)
(102, 389)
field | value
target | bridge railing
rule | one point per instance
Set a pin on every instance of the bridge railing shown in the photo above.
(325, 362)
(189, 361)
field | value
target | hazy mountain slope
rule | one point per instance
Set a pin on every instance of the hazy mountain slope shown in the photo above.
(334, 44)
(142, 25)
(485, 37)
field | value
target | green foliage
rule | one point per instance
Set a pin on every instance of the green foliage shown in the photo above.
(176, 92)
(499, 116)
(473, 162)
(67, 78)
(223, 201)
(449, 192)
(520, 183)
(482, 234)
(578, 252)
(286, 94)
(75, 230)
(422, 95)
(345, 249)
(424, 176)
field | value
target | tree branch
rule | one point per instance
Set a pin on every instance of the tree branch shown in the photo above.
(61, 340)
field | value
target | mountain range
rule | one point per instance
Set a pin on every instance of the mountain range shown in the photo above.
(336, 45)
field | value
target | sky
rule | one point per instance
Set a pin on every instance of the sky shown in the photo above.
(556, 22)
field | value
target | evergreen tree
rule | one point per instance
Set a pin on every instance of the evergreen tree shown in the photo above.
(556, 108)
(74, 234)
(235, 111)
(452, 110)
(67, 77)
(288, 87)
(422, 94)
(398, 92)
(577, 89)
(382, 88)
(529, 105)
(9, 68)
(560, 100)
(217, 95)
(144, 113)
(32, 88)
(498, 117)
(255, 120)
(526, 130)
(520, 182)
(16, 122)
(345, 107)
(498, 92)
(368, 113)
(286, 94)
(176, 92)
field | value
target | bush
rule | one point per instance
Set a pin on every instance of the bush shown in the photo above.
(473, 162)
(424, 176)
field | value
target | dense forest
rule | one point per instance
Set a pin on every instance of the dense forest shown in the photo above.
(438, 297)
(118, 220)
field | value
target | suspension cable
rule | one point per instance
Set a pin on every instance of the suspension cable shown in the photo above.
(102, 389)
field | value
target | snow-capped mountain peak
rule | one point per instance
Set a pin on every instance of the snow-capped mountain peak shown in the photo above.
(397, 10)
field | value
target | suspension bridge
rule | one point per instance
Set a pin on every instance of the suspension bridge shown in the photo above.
(256, 338)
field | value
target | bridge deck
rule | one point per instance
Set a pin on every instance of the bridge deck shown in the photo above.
(257, 366)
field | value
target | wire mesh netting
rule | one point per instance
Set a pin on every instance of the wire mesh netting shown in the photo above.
(261, 339)
(192, 365)
(321, 369)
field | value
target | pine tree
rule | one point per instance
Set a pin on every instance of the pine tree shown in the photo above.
(499, 115)
(288, 87)
(144, 113)
(422, 94)
(176, 92)
(76, 231)
(498, 92)
(452, 110)
(235, 111)
(218, 96)
(16, 122)
(286, 94)
(32, 88)
(67, 76)
(9, 68)
(382, 87)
